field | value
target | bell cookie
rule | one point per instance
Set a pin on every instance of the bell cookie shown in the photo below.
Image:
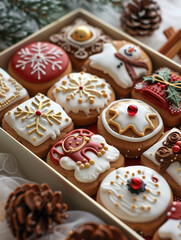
(130, 125)
(39, 65)
(162, 90)
(38, 124)
(165, 158)
(80, 40)
(83, 96)
(11, 93)
(121, 64)
(138, 196)
(84, 159)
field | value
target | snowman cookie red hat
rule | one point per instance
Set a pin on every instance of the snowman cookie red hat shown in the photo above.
(138, 196)
(130, 125)
(37, 123)
(122, 64)
(165, 158)
(85, 159)
(80, 40)
(39, 65)
(162, 90)
(83, 96)
(171, 229)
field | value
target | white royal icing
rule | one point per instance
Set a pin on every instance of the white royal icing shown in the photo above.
(37, 129)
(10, 90)
(174, 169)
(143, 207)
(107, 62)
(138, 120)
(101, 164)
(170, 230)
(92, 89)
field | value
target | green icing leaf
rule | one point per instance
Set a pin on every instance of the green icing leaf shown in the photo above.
(149, 79)
(164, 74)
(173, 95)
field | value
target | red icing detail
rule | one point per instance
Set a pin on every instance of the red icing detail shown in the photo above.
(174, 211)
(38, 113)
(50, 74)
(80, 87)
(70, 140)
(158, 84)
(178, 143)
(176, 149)
(136, 183)
(163, 87)
(132, 110)
(130, 50)
(154, 179)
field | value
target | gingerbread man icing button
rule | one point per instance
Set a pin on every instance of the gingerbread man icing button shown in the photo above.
(122, 64)
(130, 125)
(39, 65)
(138, 196)
(85, 159)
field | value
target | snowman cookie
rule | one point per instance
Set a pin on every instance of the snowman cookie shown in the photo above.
(80, 40)
(171, 229)
(122, 64)
(138, 196)
(130, 125)
(162, 90)
(83, 96)
(37, 123)
(37, 66)
(85, 159)
(165, 158)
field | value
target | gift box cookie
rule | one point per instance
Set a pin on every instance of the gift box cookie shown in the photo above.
(171, 229)
(130, 125)
(162, 90)
(37, 66)
(80, 40)
(83, 96)
(85, 159)
(165, 158)
(37, 123)
(138, 196)
(122, 64)
(11, 93)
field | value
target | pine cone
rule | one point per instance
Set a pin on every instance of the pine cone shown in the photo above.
(141, 17)
(34, 210)
(95, 231)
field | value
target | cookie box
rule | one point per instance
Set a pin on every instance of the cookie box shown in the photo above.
(36, 169)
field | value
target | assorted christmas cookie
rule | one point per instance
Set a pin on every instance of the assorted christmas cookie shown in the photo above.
(11, 93)
(171, 229)
(122, 64)
(39, 65)
(138, 196)
(80, 40)
(83, 96)
(162, 90)
(85, 159)
(165, 158)
(38, 123)
(130, 125)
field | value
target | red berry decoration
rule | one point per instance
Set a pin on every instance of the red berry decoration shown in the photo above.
(136, 183)
(132, 110)
(178, 143)
(154, 179)
(38, 113)
(176, 149)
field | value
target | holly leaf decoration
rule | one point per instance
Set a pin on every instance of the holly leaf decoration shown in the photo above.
(149, 79)
(173, 95)
(164, 74)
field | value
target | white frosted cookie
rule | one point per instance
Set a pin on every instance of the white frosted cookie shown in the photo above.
(165, 158)
(84, 158)
(11, 93)
(130, 125)
(83, 96)
(137, 195)
(38, 123)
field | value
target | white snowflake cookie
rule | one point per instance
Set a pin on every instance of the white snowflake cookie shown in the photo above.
(39, 65)
(137, 195)
(83, 96)
(121, 64)
(130, 125)
(84, 158)
(38, 123)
